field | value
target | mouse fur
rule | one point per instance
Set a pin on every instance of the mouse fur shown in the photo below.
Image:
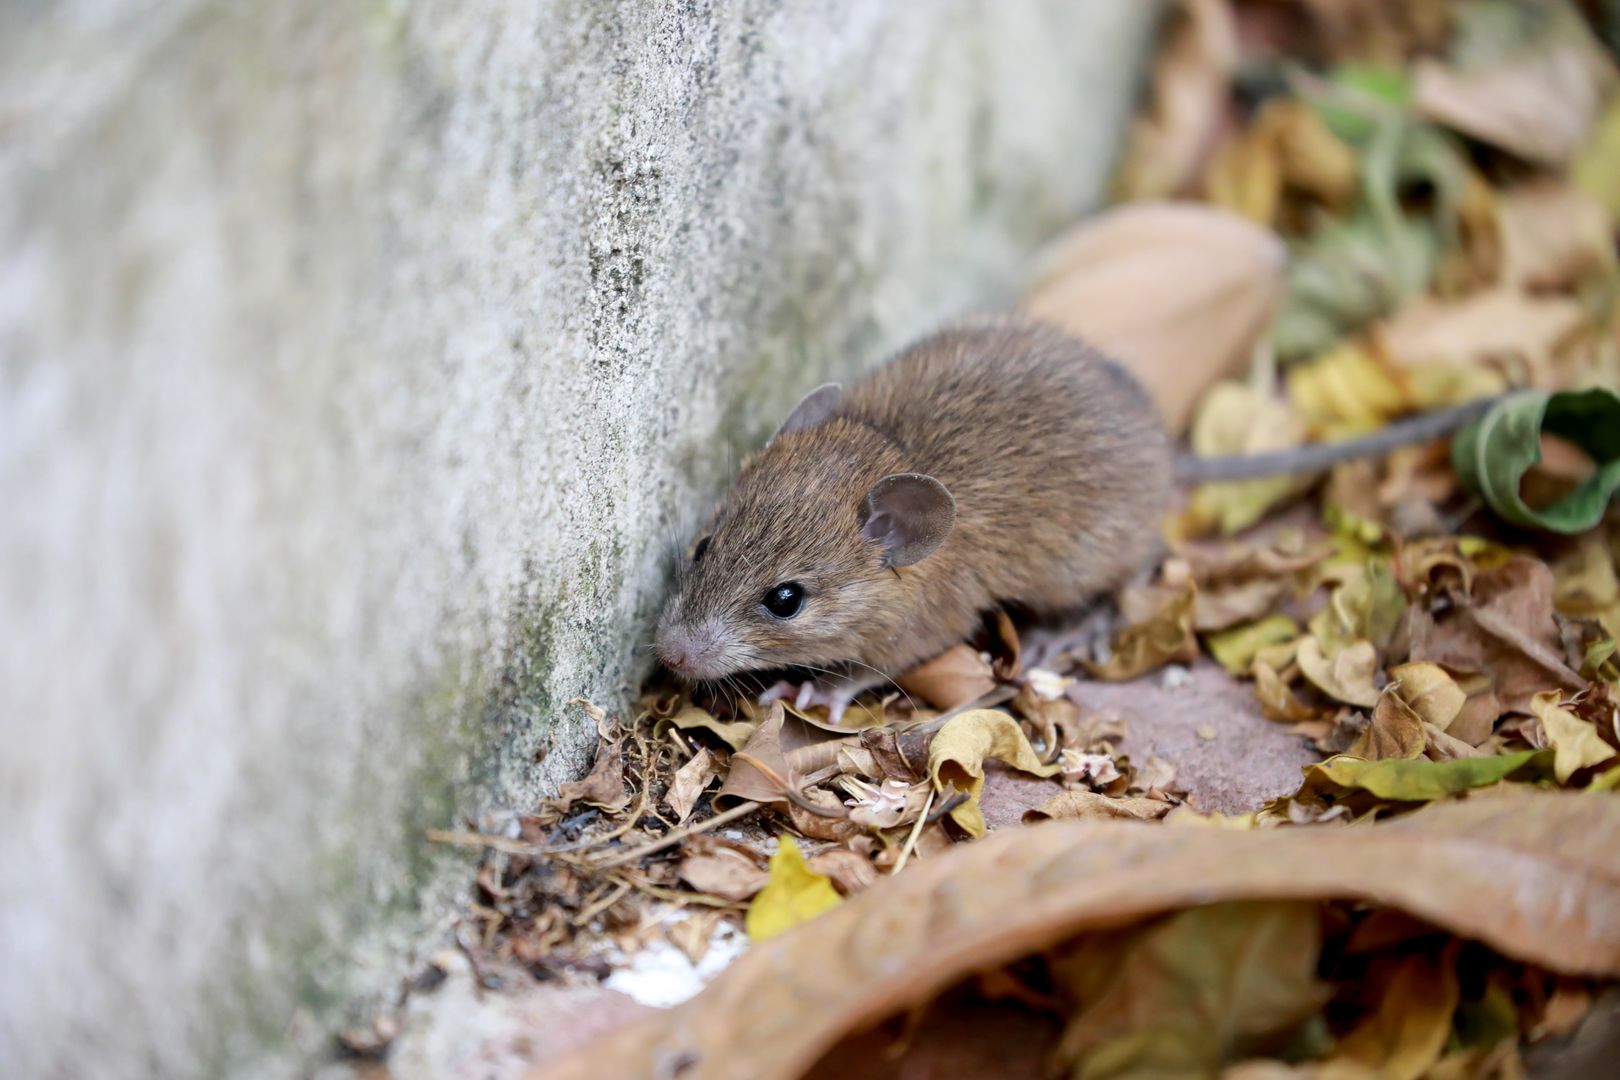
(995, 461)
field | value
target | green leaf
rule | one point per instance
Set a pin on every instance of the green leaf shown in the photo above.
(1492, 455)
(1418, 779)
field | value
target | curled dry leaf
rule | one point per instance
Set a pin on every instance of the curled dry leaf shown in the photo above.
(1075, 805)
(690, 781)
(1408, 1033)
(734, 733)
(1395, 732)
(1533, 874)
(1181, 294)
(603, 786)
(1191, 83)
(1576, 744)
(954, 677)
(718, 869)
(1288, 148)
(957, 755)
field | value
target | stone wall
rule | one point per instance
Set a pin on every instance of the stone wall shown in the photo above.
(360, 363)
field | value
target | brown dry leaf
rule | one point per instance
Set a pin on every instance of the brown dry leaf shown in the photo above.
(1191, 87)
(789, 747)
(1514, 333)
(1507, 633)
(1161, 637)
(1226, 606)
(1346, 676)
(954, 677)
(1553, 236)
(603, 786)
(1181, 294)
(693, 934)
(1538, 98)
(849, 871)
(721, 870)
(1277, 701)
(1073, 805)
(885, 805)
(1532, 874)
(1396, 731)
(690, 781)
(1408, 1032)
(1234, 418)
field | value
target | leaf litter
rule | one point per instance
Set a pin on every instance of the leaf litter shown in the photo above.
(1331, 214)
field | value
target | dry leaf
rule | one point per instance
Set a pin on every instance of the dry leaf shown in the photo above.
(794, 894)
(1277, 701)
(1347, 676)
(734, 733)
(1408, 1032)
(1221, 607)
(603, 787)
(1234, 418)
(1345, 392)
(1553, 236)
(1532, 874)
(1505, 329)
(1395, 732)
(849, 871)
(1181, 294)
(1576, 744)
(721, 870)
(1433, 696)
(957, 755)
(1288, 147)
(1194, 992)
(1073, 805)
(1538, 98)
(1597, 171)
(1191, 83)
(1164, 636)
(954, 677)
(690, 781)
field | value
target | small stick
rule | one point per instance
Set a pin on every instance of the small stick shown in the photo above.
(675, 836)
(916, 831)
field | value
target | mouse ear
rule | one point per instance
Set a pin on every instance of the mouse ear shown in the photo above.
(910, 515)
(814, 408)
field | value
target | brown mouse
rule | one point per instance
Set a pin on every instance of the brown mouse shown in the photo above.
(996, 461)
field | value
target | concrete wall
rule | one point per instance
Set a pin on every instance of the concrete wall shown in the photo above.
(358, 363)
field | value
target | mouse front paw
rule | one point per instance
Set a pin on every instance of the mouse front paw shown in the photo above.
(809, 694)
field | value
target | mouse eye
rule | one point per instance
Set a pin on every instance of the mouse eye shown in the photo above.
(784, 600)
(702, 546)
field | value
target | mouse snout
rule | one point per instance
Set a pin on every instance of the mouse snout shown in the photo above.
(693, 651)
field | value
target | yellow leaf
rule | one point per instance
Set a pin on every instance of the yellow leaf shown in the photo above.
(1347, 676)
(1345, 392)
(1367, 606)
(1430, 693)
(1576, 744)
(1408, 1032)
(1235, 649)
(1237, 419)
(1597, 170)
(734, 733)
(793, 894)
(957, 754)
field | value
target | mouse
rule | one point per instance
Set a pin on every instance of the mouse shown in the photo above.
(996, 461)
